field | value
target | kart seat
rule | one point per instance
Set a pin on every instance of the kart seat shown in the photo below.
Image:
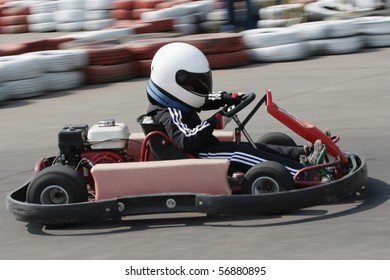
(157, 142)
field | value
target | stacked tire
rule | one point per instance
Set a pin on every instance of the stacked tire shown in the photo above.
(331, 37)
(70, 15)
(109, 63)
(223, 50)
(187, 17)
(127, 14)
(97, 36)
(275, 44)
(20, 77)
(41, 18)
(143, 51)
(14, 18)
(132, 9)
(375, 30)
(140, 7)
(62, 69)
(97, 14)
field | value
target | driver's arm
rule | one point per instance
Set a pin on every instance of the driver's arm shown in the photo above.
(186, 130)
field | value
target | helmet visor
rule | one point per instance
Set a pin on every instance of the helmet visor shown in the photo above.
(198, 83)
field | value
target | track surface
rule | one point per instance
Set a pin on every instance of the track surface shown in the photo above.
(348, 94)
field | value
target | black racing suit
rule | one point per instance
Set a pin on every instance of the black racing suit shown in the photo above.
(192, 135)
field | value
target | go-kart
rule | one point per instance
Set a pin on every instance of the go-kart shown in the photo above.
(105, 173)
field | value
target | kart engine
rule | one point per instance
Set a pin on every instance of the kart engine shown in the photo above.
(82, 147)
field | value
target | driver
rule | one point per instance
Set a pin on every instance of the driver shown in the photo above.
(180, 86)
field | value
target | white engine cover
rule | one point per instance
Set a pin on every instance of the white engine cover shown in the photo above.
(108, 137)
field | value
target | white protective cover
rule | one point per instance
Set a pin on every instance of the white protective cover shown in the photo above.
(108, 137)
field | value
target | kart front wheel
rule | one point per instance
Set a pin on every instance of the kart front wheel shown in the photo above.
(57, 184)
(267, 177)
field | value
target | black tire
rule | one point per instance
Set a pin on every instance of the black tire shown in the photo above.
(276, 138)
(267, 177)
(57, 184)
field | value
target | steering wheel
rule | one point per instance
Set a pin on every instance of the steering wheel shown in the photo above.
(246, 99)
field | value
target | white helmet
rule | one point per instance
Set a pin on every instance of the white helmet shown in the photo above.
(180, 77)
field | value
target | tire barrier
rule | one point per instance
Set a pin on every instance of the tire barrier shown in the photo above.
(216, 42)
(21, 77)
(132, 9)
(280, 53)
(97, 14)
(281, 15)
(41, 18)
(187, 17)
(12, 49)
(331, 37)
(269, 37)
(122, 9)
(70, 15)
(61, 60)
(39, 45)
(145, 26)
(19, 67)
(118, 53)
(375, 30)
(96, 74)
(143, 67)
(143, 51)
(62, 69)
(23, 89)
(107, 62)
(223, 50)
(107, 54)
(37, 73)
(275, 44)
(228, 60)
(99, 36)
(14, 19)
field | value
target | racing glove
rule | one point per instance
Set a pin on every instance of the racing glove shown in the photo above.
(230, 98)
(219, 121)
(221, 99)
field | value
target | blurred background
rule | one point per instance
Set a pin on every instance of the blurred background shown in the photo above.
(105, 41)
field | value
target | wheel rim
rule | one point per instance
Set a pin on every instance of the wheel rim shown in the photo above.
(54, 195)
(265, 185)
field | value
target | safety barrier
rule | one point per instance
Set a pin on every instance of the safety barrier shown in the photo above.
(117, 54)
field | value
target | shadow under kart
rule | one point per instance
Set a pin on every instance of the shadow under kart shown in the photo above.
(103, 173)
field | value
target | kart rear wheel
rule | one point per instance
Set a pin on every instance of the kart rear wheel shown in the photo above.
(57, 184)
(276, 138)
(267, 177)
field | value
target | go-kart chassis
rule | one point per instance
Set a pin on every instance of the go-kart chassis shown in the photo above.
(114, 209)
